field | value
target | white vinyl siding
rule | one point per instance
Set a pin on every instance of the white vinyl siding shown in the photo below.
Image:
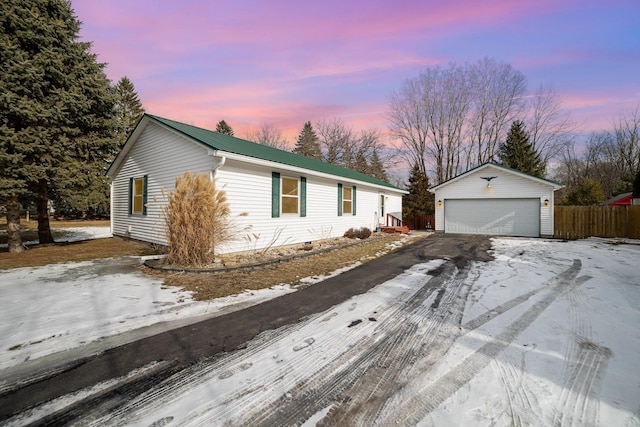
(157, 155)
(249, 191)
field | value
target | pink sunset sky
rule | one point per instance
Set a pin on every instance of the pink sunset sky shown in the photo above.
(286, 62)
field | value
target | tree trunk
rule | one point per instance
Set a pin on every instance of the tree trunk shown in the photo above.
(42, 204)
(13, 225)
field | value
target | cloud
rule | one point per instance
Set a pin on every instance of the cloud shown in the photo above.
(286, 61)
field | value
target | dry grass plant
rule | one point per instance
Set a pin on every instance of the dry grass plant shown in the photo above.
(197, 219)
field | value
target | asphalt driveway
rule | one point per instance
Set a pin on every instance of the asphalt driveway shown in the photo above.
(176, 349)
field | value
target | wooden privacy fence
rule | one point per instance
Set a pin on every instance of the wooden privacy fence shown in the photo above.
(420, 222)
(577, 222)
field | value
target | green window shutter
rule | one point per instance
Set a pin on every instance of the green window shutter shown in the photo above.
(144, 194)
(303, 196)
(353, 201)
(130, 195)
(275, 195)
(339, 199)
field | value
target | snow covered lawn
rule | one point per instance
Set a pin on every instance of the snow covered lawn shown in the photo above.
(72, 234)
(546, 334)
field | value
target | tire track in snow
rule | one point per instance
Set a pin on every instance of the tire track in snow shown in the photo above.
(220, 369)
(435, 334)
(578, 404)
(497, 311)
(250, 401)
(583, 372)
(523, 405)
(524, 408)
(346, 389)
(430, 397)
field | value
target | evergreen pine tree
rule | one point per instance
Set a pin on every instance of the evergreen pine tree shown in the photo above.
(376, 168)
(636, 186)
(587, 192)
(56, 110)
(223, 127)
(307, 143)
(518, 153)
(419, 201)
(128, 109)
(360, 164)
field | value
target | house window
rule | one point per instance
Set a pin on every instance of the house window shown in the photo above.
(290, 195)
(138, 196)
(346, 200)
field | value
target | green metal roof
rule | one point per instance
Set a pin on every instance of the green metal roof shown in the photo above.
(231, 144)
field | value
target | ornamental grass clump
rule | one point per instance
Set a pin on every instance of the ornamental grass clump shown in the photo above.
(197, 219)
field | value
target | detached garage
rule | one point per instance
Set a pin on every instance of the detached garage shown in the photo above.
(493, 199)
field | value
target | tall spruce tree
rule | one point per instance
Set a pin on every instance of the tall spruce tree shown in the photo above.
(307, 143)
(56, 110)
(128, 109)
(360, 163)
(376, 168)
(223, 127)
(419, 201)
(518, 153)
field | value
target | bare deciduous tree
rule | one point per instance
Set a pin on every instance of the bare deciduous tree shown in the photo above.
(611, 158)
(627, 144)
(550, 128)
(409, 122)
(358, 151)
(427, 117)
(269, 135)
(337, 140)
(497, 91)
(454, 118)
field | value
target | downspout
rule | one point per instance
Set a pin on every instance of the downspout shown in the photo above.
(218, 162)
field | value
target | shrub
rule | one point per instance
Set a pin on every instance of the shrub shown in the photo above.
(364, 233)
(358, 233)
(350, 233)
(196, 219)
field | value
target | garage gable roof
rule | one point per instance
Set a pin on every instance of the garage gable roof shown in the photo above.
(230, 144)
(555, 185)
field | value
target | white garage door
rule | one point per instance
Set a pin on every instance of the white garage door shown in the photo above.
(508, 217)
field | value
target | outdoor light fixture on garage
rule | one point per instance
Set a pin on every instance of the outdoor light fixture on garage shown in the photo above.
(546, 202)
(439, 203)
(488, 178)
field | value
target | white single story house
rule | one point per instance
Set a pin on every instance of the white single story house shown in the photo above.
(493, 199)
(280, 197)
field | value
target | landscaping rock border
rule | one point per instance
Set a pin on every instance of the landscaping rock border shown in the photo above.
(157, 264)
